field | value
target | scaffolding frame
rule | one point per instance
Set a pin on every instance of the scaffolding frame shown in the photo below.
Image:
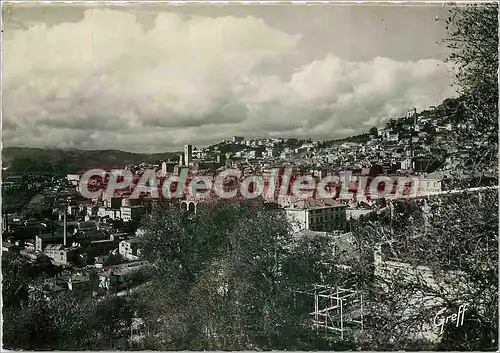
(334, 307)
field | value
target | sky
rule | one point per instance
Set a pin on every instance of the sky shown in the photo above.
(151, 78)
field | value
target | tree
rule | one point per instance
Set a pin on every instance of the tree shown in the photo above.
(226, 278)
(473, 40)
(37, 318)
(47, 321)
(112, 319)
(66, 321)
(453, 239)
(16, 275)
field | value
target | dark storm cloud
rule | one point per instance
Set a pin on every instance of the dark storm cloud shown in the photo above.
(155, 81)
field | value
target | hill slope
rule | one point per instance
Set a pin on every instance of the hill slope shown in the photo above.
(59, 161)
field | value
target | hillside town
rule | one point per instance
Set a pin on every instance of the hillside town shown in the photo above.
(251, 239)
(96, 244)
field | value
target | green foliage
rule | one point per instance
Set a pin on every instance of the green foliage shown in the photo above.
(15, 279)
(37, 318)
(456, 238)
(65, 321)
(473, 335)
(17, 275)
(473, 40)
(226, 278)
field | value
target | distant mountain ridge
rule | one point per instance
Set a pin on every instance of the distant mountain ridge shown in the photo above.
(62, 161)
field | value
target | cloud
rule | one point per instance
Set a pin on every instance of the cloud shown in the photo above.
(108, 82)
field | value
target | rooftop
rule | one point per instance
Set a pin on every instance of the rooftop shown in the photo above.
(86, 225)
(56, 235)
(132, 240)
(316, 204)
(54, 247)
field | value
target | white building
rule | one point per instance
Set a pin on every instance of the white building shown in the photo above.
(392, 137)
(73, 210)
(271, 152)
(319, 215)
(428, 186)
(113, 214)
(57, 252)
(92, 210)
(406, 164)
(129, 249)
(188, 155)
(101, 211)
(129, 213)
(73, 178)
(286, 155)
(357, 213)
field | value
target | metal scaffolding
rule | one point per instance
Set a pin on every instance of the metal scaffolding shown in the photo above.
(335, 308)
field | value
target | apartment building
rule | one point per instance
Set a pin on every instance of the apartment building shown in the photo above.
(318, 215)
